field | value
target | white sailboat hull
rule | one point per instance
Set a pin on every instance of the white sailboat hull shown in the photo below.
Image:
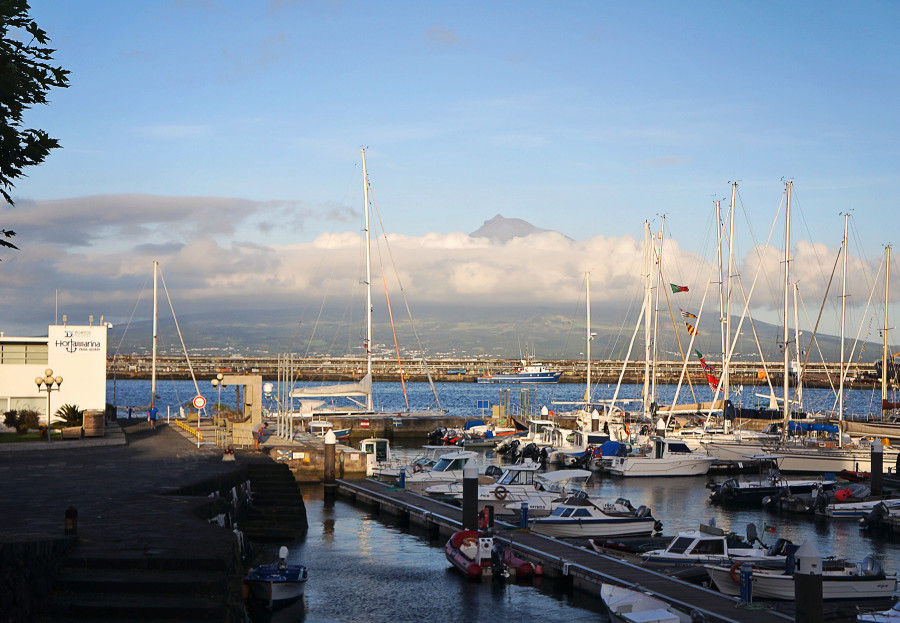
(672, 466)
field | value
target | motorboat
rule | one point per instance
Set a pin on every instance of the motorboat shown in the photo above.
(708, 545)
(854, 501)
(378, 455)
(477, 555)
(750, 494)
(580, 516)
(424, 461)
(449, 468)
(319, 428)
(891, 615)
(511, 482)
(668, 457)
(529, 372)
(865, 580)
(625, 605)
(278, 583)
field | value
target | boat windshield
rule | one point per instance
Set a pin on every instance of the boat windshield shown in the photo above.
(679, 545)
(516, 477)
(452, 464)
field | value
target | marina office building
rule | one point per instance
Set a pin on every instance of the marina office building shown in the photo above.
(77, 353)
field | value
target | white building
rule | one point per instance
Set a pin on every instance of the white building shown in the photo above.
(77, 353)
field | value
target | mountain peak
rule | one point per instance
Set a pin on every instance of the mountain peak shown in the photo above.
(502, 229)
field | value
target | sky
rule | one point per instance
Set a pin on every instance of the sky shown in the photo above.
(222, 139)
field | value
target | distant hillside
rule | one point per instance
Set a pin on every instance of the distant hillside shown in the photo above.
(457, 332)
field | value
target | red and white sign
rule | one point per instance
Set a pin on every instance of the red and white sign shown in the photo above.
(364, 424)
(199, 402)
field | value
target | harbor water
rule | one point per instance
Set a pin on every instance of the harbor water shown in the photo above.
(365, 567)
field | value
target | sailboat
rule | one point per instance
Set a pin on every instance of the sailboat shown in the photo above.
(356, 399)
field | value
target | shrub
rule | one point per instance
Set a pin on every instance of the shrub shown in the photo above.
(71, 414)
(21, 420)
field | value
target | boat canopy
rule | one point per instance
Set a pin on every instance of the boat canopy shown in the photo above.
(806, 427)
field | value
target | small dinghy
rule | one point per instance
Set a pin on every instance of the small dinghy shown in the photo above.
(476, 556)
(629, 606)
(278, 583)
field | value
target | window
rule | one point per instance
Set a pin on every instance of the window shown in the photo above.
(27, 353)
(710, 546)
(679, 545)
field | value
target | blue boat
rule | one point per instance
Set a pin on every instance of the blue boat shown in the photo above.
(279, 583)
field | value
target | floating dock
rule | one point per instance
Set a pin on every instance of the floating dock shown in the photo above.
(584, 569)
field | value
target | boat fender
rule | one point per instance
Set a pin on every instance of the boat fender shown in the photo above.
(417, 468)
(539, 569)
(500, 492)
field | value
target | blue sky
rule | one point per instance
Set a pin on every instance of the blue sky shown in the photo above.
(222, 137)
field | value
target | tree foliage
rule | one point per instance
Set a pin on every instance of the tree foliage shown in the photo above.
(26, 76)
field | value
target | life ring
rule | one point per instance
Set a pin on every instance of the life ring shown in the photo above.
(417, 468)
(469, 542)
(733, 572)
(500, 492)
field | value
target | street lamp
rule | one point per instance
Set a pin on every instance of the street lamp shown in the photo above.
(45, 384)
(218, 384)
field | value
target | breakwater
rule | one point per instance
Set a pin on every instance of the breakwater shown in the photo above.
(862, 375)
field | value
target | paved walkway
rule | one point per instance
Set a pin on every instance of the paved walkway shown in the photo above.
(118, 488)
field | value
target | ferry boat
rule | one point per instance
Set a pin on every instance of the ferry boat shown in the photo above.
(528, 373)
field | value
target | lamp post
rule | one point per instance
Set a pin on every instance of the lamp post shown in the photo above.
(218, 384)
(46, 384)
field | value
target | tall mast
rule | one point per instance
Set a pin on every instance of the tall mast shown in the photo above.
(843, 319)
(369, 404)
(658, 248)
(884, 354)
(726, 363)
(798, 390)
(587, 386)
(153, 358)
(647, 316)
(787, 292)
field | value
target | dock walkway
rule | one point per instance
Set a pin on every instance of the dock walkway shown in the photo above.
(586, 569)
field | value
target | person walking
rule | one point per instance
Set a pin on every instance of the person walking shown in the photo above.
(130, 411)
(152, 414)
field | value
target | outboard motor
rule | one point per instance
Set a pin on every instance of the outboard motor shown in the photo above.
(642, 511)
(752, 535)
(493, 471)
(870, 566)
(875, 516)
(821, 502)
(497, 565)
(778, 548)
(436, 437)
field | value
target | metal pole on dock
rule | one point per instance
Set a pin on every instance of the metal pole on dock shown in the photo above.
(329, 482)
(808, 584)
(470, 499)
(876, 470)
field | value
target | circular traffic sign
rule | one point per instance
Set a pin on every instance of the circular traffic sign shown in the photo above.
(199, 402)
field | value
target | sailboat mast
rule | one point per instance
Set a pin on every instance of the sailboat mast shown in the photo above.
(786, 304)
(658, 249)
(369, 404)
(153, 358)
(884, 353)
(798, 392)
(726, 363)
(647, 316)
(843, 319)
(587, 385)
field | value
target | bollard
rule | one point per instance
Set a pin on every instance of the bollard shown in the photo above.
(808, 584)
(470, 499)
(523, 522)
(71, 521)
(747, 583)
(402, 483)
(876, 470)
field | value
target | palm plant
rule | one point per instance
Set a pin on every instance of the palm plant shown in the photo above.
(71, 414)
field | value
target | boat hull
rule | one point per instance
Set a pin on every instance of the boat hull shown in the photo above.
(277, 586)
(776, 585)
(594, 528)
(537, 377)
(645, 467)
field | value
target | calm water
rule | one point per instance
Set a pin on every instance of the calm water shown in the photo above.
(365, 568)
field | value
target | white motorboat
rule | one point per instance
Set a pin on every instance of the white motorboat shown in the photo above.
(423, 462)
(891, 615)
(580, 516)
(449, 468)
(668, 457)
(866, 580)
(708, 545)
(625, 605)
(378, 455)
